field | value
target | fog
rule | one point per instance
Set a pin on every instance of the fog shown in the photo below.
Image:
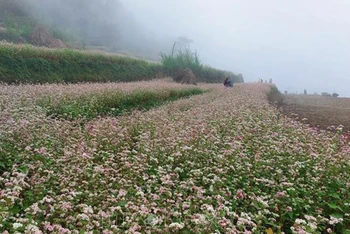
(298, 44)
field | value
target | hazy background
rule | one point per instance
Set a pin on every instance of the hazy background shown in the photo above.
(299, 44)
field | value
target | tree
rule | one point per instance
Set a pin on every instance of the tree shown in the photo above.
(182, 43)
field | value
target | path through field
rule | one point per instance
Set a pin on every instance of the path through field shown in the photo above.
(220, 162)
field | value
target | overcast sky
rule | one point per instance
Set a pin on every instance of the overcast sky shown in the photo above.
(300, 44)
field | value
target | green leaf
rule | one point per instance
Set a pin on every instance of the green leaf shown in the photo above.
(335, 195)
(122, 203)
(338, 216)
(334, 206)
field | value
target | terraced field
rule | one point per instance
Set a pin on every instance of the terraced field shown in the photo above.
(323, 112)
(224, 161)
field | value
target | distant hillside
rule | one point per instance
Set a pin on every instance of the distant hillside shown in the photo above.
(103, 26)
(77, 23)
(80, 24)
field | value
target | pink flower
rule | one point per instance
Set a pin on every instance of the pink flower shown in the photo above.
(240, 194)
(224, 222)
(280, 194)
(42, 150)
(49, 227)
(122, 193)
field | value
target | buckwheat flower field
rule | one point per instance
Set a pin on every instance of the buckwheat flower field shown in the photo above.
(224, 161)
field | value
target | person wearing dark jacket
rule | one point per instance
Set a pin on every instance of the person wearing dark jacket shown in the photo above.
(227, 82)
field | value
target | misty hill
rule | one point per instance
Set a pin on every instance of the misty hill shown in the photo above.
(100, 25)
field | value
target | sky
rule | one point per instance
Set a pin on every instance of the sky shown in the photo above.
(299, 44)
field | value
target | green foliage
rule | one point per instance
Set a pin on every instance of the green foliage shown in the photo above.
(111, 103)
(182, 59)
(64, 34)
(19, 25)
(275, 96)
(28, 64)
(4, 35)
(212, 75)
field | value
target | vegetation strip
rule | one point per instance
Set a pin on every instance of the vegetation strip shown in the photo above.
(112, 103)
(29, 64)
(26, 64)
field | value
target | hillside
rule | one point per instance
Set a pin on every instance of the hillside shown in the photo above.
(30, 64)
(97, 25)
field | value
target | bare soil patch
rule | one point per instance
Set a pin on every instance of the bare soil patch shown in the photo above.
(319, 111)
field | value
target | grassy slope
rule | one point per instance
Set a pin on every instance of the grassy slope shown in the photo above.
(29, 64)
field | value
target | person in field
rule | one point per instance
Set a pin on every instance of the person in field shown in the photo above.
(230, 82)
(226, 82)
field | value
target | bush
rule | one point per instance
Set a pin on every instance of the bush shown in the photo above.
(183, 59)
(335, 95)
(325, 94)
(275, 97)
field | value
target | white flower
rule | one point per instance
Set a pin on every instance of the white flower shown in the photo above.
(33, 229)
(17, 225)
(176, 226)
(83, 217)
(334, 220)
(17, 189)
(200, 219)
(300, 221)
(153, 220)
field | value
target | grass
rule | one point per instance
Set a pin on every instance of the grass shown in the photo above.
(182, 59)
(23, 64)
(29, 64)
(112, 103)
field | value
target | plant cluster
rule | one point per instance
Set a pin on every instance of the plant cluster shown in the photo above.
(185, 58)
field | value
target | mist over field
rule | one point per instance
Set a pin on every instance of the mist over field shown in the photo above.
(101, 24)
(299, 45)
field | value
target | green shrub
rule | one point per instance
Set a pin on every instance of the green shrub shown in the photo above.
(182, 59)
(275, 97)
(19, 25)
